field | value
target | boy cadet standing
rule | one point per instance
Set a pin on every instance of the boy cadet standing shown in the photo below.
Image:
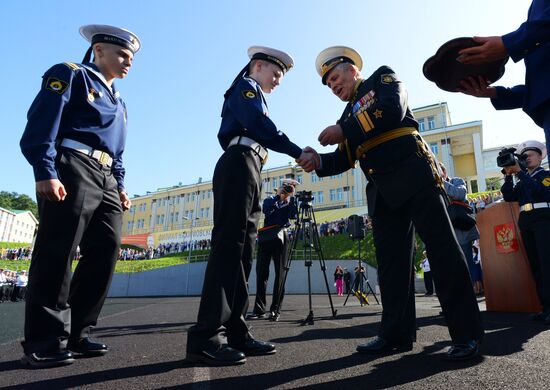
(74, 140)
(404, 193)
(221, 335)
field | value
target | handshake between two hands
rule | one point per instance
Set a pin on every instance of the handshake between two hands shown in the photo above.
(309, 160)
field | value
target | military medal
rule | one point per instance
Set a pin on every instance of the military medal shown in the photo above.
(91, 96)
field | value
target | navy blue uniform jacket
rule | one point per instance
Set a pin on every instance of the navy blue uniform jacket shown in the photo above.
(534, 188)
(279, 213)
(245, 114)
(74, 102)
(530, 42)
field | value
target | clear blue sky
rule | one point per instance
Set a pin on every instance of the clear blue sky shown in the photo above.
(193, 49)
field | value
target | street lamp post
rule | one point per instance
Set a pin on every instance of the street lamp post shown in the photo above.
(190, 235)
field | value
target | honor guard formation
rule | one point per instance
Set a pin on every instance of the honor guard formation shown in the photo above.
(75, 139)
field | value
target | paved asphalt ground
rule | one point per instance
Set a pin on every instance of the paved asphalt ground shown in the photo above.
(147, 337)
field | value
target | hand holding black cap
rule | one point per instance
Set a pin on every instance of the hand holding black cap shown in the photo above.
(446, 70)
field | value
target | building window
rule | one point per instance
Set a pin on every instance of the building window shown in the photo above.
(275, 182)
(321, 179)
(434, 147)
(421, 126)
(431, 123)
(314, 177)
(340, 194)
(207, 212)
(332, 194)
(177, 216)
(320, 197)
(299, 179)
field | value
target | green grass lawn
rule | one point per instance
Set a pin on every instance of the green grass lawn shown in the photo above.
(339, 247)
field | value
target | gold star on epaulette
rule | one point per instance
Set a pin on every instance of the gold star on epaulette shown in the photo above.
(378, 114)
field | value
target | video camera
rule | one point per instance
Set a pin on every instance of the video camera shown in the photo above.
(304, 196)
(508, 157)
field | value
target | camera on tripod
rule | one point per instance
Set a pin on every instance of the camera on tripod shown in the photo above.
(508, 157)
(304, 196)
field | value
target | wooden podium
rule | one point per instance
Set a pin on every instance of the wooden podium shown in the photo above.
(507, 278)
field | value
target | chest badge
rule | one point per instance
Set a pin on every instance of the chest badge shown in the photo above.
(91, 95)
(249, 94)
(378, 114)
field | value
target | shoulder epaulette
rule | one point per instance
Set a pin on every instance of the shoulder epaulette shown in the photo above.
(73, 66)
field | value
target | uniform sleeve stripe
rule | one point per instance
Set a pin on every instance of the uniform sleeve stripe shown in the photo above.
(364, 123)
(72, 65)
(368, 119)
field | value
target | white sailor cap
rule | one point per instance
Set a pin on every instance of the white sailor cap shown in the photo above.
(334, 55)
(95, 33)
(291, 182)
(277, 57)
(532, 145)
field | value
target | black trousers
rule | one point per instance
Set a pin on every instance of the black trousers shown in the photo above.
(59, 307)
(534, 226)
(224, 300)
(393, 231)
(428, 283)
(278, 251)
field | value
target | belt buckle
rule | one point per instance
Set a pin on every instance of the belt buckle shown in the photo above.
(104, 158)
(528, 207)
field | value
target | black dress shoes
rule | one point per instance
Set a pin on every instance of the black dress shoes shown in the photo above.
(273, 316)
(538, 316)
(380, 345)
(223, 355)
(256, 348)
(86, 347)
(50, 359)
(465, 351)
(256, 316)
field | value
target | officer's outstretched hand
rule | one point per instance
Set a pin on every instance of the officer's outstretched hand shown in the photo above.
(309, 159)
(332, 135)
(125, 200)
(51, 189)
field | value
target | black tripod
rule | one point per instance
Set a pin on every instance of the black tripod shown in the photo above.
(356, 230)
(305, 228)
(359, 283)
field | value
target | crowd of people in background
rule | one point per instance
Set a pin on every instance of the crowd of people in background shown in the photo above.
(13, 285)
(479, 203)
(332, 228)
(161, 250)
(21, 253)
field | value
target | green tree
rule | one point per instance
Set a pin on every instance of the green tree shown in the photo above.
(15, 201)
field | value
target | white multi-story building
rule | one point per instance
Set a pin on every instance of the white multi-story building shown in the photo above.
(17, 225)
